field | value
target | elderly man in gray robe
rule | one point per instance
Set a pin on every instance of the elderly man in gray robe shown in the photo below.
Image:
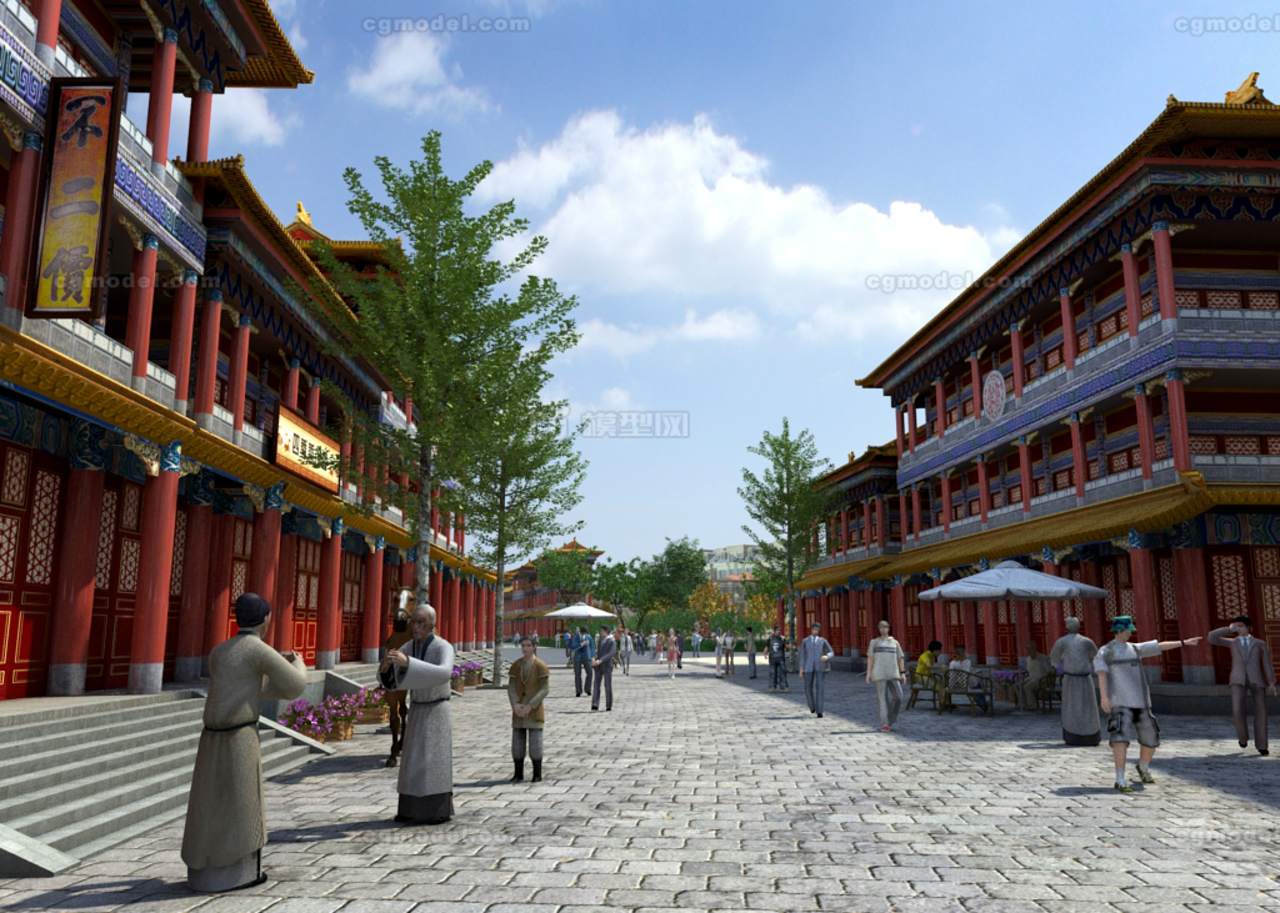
(424, 667)
(1075, 653)
(226, 825)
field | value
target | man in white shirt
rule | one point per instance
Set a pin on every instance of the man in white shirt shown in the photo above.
(1126, 699)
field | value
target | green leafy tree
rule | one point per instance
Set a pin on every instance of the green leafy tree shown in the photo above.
(617, 584)
(569, 572)
(673, 574)
(786, 504)
(439, 322)
(523, 480)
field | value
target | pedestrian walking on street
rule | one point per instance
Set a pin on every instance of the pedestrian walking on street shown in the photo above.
(606, 650)
(1076, 653)
(776, 650)
(624, 651)
(655, 645)
(226, 825)
(815, 655)
(730, 644)
(672, 652)
(751, 652)
(528, 682)
(697, 643)
(1126, 699)
(584, 651)
(887, 670)
(719, 654)
(1251, 671)
(679, 650)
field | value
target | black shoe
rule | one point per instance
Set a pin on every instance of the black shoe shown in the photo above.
(595, 708)
(401, 819)
(393, 761)
(537, 770)
(1244, 744)
(1263, 752)
(819, 716)
(519, 771)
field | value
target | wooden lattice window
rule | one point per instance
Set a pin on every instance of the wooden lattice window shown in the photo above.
(1264, 301)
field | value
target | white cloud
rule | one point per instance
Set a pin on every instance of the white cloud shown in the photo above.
(408, 71)
(686, 212)
(728, 325)
(245, 116)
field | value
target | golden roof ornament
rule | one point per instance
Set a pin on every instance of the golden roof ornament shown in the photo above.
(305, 217)
(1248, 93)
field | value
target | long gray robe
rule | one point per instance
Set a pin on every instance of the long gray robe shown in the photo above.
(1080, 724)
(426, 763)
(226, 823)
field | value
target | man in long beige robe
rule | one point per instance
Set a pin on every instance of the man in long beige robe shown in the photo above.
(226, 823)
(424, 666)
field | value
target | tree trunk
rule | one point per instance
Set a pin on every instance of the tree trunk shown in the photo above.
(498, 619)
(426, 536)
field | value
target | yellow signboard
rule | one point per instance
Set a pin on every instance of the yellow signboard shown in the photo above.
(300, 444)
(75, 193)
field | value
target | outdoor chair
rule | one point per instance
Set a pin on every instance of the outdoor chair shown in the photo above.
(922, 686)
(1049, 689)
(958, 683)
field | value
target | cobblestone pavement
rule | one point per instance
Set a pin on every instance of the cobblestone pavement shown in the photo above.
(705, 794)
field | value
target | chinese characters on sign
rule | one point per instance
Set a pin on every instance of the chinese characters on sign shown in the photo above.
(74, 199)
(636, 424)
(300, 445)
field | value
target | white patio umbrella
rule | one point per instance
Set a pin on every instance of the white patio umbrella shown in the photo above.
(1010, 580)
(580, 610)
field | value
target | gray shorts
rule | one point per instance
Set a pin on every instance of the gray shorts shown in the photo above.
(1133, 724)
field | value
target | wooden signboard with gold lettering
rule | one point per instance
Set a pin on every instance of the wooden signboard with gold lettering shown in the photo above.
(299, 443)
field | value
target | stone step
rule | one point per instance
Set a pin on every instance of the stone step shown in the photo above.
(59, 732)
(52, 709)
(42, 750)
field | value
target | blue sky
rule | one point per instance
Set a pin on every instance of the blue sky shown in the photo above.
(718, 180)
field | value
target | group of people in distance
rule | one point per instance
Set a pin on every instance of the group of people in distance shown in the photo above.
(226, 822)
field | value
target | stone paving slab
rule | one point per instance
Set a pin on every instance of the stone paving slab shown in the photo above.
(702, 794)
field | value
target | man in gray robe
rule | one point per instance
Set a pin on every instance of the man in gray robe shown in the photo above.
(226, 825)
(1075, 652)
(425, 668)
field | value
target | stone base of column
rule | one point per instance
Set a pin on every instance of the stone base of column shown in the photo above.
(188, 668)
(139, 384)
(66, 679)
(1168, 325)
(1079, 501)
(1198, 675)
(145, 678)
(326, 659)
(855, 654)
(237, 438)
(180, 406)
(1134, 342)
(204, 421)
(992, 661)
(1148, 484)
(369, 657)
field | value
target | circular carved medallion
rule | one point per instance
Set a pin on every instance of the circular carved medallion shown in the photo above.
(993, 395)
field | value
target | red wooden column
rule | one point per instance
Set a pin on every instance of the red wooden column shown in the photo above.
(866, 523)
(1193, 613)
(286, 599)
(1078, 461)
(946, 502)
(1146, 431)
(313, 402)
(844, 529)
(898, 609)
(199, 121)
(969, 621)
(854, 646)
(1132, 290)
(329, 623)
(195, 579)
(72, 615)
(984, 489)
(264, 562)
(290, 398)
(902, 516)
(141, 296)
(207, 363)
(160, 99)
(897, 416)
(435, 592)
(467, 603)
(1018, 357)
(1164, 270)
(928, 612)
(409, 568)
(1024, 474)
(1069, 341)
(238, 373)
(1142, 573)
(915, 511)
(184, 325)
(991, 636)
(1178, 420)
(20, 204)
(371, 631)
(1022, 628)
(453, 600)
(824, 616)
(975, 380)
(218, 601)
(1056, 620)
(1095, 625)
(911, 425)
(882, 528)
(942, 624)
(155, 569)
(940, 397)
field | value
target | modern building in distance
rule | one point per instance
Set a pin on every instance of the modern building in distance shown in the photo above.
(1101, 405)
(729, 568)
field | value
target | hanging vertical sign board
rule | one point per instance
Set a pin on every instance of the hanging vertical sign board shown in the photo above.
(70, 242)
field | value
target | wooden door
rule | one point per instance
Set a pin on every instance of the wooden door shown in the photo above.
(1006, 633)
(1229, 597)
(175, 590)
(1167, 613)
(352, 606)
(1266, 617)
(115, 584)
(835, 634)
(31, 494)
(306, 615)
(241, 547)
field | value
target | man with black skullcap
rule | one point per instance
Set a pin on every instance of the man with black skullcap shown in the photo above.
(226, 824)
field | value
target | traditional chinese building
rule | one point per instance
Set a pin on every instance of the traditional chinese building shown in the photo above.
(1102, 404)
(527, 600)
(159, 380)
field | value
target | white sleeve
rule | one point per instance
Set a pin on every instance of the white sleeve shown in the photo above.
(1099, 664)
(1149, 648)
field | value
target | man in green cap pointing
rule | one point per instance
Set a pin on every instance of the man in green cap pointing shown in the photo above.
(1126, 699)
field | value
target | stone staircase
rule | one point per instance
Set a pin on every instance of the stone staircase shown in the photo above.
(78, 778)
(485, 658)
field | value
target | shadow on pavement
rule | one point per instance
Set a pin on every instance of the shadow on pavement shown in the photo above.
(101, 894)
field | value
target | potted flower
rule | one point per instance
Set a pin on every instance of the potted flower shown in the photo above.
(458, 683)
(371, 706)
(1003, 682)
(306, 719)
(474, 673)
(342, 713)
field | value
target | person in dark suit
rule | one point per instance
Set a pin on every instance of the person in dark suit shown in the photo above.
(815, 653)
(603, 664)
(583, 652)
(1251, 670)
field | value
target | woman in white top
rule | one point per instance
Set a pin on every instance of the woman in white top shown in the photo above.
(719, 653)
(960, 661)
(653, 645)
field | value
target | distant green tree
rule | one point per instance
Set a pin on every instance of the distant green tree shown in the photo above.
(569, 572)
(673, 574)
